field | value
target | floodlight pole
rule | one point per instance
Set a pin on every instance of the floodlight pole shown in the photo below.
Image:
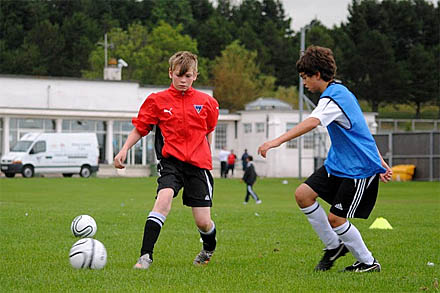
(105, 50)
(301, 105)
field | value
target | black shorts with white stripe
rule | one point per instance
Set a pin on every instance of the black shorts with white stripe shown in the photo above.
(197, 183)
(349, 198)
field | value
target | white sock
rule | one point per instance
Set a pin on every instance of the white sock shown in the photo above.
(352, 239)
(318, 219)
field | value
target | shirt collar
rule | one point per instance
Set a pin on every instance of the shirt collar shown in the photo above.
(176, 92)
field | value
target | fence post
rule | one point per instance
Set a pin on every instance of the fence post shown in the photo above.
(390, 149)
(431, 156)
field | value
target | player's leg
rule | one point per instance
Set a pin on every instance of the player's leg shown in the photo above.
(306, 199)
(153, 226)
(197, 194)
(306, 195)
(170, 181)
(356, 199)
(202, 218)
(246, 199)
(253, 194)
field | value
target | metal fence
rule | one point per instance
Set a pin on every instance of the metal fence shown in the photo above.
(421, 149)
(401, 125)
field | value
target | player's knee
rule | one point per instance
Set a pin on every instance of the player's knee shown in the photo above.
(335, 221)
(204, 224)
(302, 196)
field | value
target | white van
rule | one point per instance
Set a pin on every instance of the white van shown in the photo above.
(66, 153)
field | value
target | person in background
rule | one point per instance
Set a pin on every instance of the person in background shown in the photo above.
(231, 163)
(223, 158)
(249, 177)
(243, 159)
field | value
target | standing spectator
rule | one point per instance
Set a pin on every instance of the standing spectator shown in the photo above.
(243, 159)
(223, 157)
(249, 177)
(231, 162)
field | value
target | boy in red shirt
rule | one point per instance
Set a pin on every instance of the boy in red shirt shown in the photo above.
(184, 119)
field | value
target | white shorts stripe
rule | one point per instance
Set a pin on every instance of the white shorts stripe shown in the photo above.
(209, 185)
(357, 197)
(371, 180)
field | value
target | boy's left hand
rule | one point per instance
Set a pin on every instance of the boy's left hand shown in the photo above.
(385, 177)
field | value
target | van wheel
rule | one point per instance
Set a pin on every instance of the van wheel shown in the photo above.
(85, 172)
(28, 171)
(67, 174)
(10, 175)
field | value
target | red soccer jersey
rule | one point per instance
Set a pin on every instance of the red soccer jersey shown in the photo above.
(184, 119)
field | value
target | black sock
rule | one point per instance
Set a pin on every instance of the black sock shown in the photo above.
(209, 240)
(153, 225)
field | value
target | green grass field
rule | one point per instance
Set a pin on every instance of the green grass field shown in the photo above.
(261, 248)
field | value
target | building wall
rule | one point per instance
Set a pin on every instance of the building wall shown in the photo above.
(112, 104)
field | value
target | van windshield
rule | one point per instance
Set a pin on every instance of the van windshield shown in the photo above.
(21, 146)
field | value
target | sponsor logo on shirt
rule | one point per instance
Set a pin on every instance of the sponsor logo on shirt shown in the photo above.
(338, 206)
(198, 108)
(168, 111)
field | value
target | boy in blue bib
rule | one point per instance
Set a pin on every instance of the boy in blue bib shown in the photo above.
(349, 179)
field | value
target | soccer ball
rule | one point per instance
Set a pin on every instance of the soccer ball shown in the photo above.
(83, 226)
(88, 253)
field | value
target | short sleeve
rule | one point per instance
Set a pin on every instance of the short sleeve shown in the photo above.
(327, 111)
(146, 117)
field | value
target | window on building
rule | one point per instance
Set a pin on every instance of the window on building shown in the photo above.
(20, 126)
(247, 127)
(121, 130)
(308, 140)
(259, 127)
(293, 143)
(221, 136)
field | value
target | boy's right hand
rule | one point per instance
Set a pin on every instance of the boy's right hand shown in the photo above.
(120, 159)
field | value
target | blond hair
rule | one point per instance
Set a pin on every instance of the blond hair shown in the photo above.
(185, 60)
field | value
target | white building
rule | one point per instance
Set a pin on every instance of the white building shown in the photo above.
(49, 104)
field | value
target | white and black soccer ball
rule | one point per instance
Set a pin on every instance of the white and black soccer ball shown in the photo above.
(88, 253)
(83, 226)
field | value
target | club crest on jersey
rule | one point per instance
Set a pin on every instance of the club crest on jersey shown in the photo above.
(198, 108)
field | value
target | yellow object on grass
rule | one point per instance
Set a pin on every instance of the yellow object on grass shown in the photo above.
(403, 172)
(381, 223)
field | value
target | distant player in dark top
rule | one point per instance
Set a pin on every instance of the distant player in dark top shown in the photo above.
(249, 177)
(184, 119)
(349, 179)
(243, 159)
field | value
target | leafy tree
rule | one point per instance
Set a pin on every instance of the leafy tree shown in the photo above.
(237, 78)
(172, 12)
(81, 34)
(263, 26)
(423, 85)
(146, 53)
(212, 31)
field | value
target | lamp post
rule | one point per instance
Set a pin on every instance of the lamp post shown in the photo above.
(301, 105)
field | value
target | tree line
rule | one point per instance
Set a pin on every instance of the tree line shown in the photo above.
(387, 51)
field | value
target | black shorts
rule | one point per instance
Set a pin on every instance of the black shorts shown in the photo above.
(349, 198)
(197, 183)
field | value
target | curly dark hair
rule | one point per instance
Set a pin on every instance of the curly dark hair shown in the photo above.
(317, 59)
